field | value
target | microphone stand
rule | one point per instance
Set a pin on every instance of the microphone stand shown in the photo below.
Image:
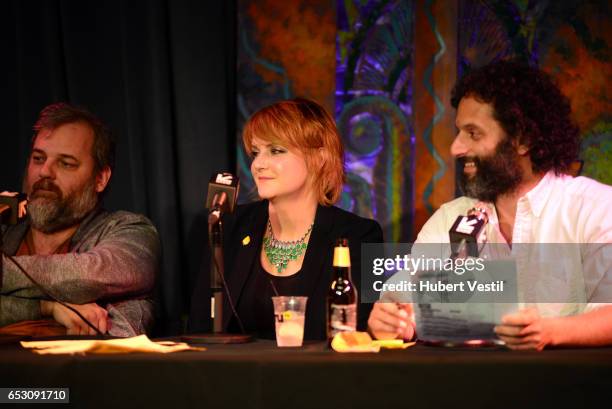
(217, 271)
(217, 289)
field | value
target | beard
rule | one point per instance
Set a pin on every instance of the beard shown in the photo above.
(50, 211)
(495, 175)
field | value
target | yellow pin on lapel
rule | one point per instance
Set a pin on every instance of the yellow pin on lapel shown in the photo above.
(246, 240)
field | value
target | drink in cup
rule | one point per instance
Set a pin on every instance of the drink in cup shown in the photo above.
(289, 317)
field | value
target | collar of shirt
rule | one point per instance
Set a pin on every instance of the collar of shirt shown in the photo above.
(539, 195)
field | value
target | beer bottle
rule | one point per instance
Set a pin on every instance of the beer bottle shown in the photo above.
(342, 295)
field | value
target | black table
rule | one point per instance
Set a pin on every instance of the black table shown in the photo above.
(260, 375)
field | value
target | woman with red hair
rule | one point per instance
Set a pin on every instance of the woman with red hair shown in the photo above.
(283, 243)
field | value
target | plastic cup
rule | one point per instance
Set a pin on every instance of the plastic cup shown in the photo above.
(289, 314)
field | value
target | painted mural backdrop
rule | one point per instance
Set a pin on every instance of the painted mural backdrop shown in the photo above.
(285, 49)
(355, 58)
(374, 110)
(386, 67)
(569, 39)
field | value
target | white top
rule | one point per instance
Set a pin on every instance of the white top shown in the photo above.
(560, 209)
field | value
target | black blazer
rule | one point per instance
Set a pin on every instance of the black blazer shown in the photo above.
(250, 221)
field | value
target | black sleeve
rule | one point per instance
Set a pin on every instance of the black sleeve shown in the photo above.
(369, 231)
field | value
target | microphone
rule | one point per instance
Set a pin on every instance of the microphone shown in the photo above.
(12, 207)
(466, 232)
(223, 189)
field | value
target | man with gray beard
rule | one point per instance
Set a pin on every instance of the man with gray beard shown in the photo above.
(103, 264)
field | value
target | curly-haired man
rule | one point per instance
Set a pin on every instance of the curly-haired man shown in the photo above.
(515, 145)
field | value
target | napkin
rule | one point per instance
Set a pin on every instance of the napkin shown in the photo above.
(362, 342)
(140, 343)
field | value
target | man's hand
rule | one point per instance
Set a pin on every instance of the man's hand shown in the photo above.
(391, 320)
(95, 314)
(525, 329)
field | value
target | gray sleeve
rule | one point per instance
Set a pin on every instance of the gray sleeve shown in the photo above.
(130, 318)
(15, 309)
(121, 262)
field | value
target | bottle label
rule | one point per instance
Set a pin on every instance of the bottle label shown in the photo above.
(342, 318)
(342, 257)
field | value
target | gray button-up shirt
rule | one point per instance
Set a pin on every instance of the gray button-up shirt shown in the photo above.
(113, 260)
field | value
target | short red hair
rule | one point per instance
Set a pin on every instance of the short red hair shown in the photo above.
(304, 125)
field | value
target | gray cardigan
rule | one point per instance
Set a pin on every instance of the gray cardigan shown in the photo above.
(113, 260)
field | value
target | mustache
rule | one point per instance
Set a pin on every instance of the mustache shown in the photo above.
(46, 184)
(461, 160)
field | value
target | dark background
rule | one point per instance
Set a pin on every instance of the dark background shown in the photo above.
(160, 74)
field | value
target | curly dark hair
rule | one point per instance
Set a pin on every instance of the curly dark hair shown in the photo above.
(529, 107)
(61, 113)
